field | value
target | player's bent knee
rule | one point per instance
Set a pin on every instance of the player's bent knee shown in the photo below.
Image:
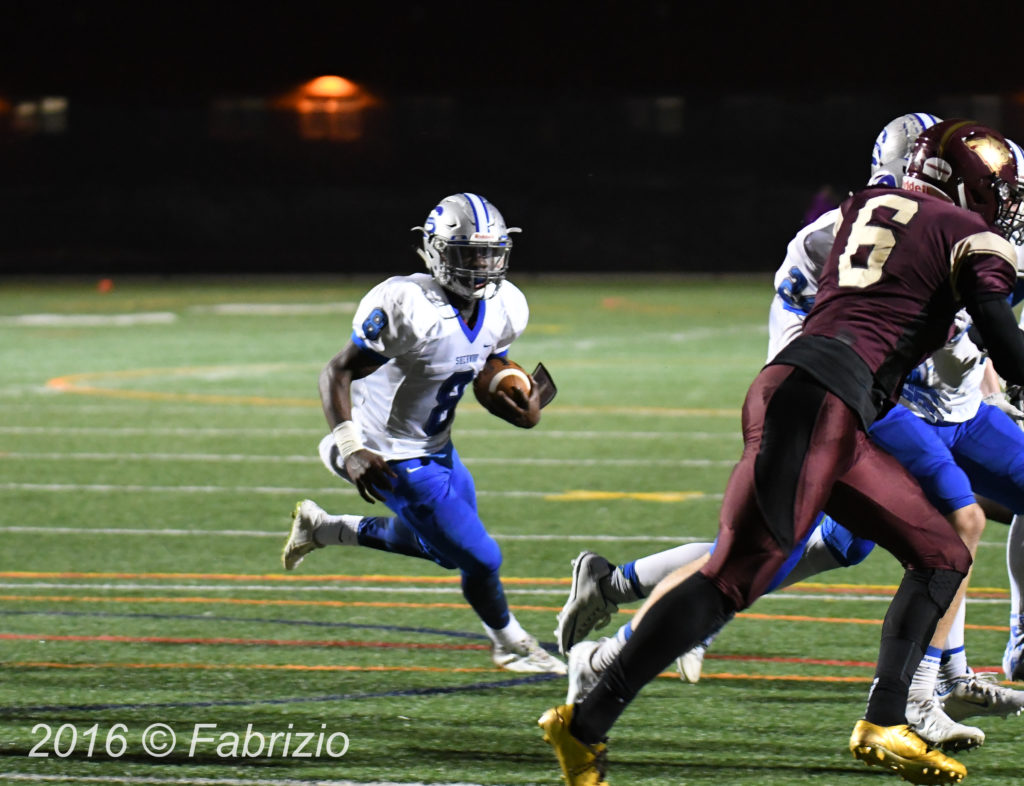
(942, 550)
(942, 586)
(967, 517)
(857, 551)
(484, 558)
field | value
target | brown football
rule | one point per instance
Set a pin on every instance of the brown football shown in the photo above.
(499, 374)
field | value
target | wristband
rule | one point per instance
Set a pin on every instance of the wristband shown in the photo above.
(346, 437)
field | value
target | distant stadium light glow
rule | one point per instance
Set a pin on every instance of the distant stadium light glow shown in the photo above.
(328, 107)
(331, 87)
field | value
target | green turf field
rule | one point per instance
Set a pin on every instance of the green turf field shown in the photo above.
(154, 438)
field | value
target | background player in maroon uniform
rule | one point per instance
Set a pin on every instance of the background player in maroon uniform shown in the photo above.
(904, 261)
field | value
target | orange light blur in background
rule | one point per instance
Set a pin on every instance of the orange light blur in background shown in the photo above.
(328, 107)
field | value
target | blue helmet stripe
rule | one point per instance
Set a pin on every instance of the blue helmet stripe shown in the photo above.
(480, 214)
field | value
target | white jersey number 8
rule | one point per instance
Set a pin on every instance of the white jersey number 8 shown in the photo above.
(879, 241)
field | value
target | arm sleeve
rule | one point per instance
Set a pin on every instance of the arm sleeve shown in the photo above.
(1004, 341)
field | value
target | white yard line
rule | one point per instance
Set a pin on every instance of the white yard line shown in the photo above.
(316, 432)
(275, 309)
(289, 588)
(398, 589)
(286, 490)
(282, 533)
(214, 458)
(90, 320)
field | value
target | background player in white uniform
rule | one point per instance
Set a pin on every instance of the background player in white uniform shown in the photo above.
(389, 397)
(1013, 656)
(955, 388)
(946, 389)
(796, 280)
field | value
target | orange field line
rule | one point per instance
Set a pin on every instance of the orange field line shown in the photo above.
(750, 615)
(41, 664)
(778, 677)
(257, 602)
(225, 640)
(403, 605)
(429, 669)
(855, 664)
(85, 383)
(342, 643)
(79, 383)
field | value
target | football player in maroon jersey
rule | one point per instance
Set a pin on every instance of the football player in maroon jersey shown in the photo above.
(904, 261)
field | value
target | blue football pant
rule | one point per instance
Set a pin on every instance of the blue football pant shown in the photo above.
(952, 461)
(434, 502)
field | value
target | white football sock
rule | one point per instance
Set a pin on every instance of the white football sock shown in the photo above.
(340, 530)
(509, 635)
(954, 665)
(954, 653)
(607, 650)
(922, 686)
(653, 568)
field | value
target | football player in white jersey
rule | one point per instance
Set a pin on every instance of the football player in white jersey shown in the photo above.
(1013, 655)
(389, 397)
(942, 420)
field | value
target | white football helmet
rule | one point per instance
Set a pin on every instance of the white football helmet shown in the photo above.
(466, 245)
(1018, 156)
(1017, 237)
(891, 153)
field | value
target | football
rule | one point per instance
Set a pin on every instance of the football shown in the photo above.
(499, 374)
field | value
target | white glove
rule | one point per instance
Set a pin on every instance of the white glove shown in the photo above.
(999, 401)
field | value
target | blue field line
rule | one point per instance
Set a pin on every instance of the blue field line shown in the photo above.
(435, 691)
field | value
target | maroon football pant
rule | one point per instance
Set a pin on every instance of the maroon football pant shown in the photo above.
(805, 452)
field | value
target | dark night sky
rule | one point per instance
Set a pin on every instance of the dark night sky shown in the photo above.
(139, 182)
(178, 52)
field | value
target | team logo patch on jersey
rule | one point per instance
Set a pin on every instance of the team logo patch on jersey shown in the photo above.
(374, 324)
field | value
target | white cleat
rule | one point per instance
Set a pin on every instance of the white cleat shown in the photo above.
(979, 694)
(587, 607)
(935, 727)
(526, 656)
(582, 677)
(305, 517)
(691, 663)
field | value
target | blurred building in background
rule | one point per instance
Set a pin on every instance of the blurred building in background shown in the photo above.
(326, 176)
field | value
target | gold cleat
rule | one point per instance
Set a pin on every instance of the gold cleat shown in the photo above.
(582, 764)
(899, 749)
